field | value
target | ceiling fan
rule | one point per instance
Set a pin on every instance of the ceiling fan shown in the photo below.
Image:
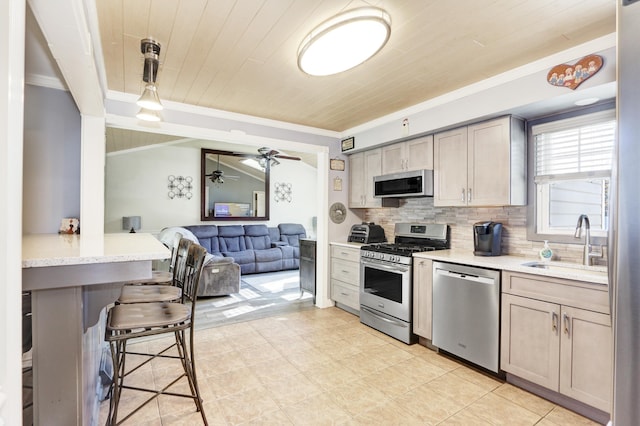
(218, 176)
(272, 155)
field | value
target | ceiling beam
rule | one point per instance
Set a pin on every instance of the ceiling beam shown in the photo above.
(64, 25)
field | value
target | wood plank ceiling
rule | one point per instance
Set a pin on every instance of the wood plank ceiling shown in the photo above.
(240, 55)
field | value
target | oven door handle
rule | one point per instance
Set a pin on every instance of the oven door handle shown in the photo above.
(377, 265)
(396, 323)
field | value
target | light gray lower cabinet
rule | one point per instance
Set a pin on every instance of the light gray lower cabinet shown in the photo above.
(422, 297)
(345, 277)
(557, 333)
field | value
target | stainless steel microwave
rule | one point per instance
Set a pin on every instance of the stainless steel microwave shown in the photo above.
(418, 183)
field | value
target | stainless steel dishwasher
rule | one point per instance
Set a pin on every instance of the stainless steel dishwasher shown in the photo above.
(466, 313)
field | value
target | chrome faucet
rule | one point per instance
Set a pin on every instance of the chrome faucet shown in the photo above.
(586, 252)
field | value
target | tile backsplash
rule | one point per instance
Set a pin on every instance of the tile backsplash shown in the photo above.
(461, 220)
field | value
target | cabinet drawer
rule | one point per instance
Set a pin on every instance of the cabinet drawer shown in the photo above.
(578, 294)
(346, 294)
(348, 272)
(346, 253)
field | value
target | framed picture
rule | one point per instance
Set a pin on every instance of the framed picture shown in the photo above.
(337, 184)
(348, 144)
(336, 164)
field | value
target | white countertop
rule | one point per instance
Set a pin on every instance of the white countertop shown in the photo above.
(571, 271)
(346, 244)
(43, 250)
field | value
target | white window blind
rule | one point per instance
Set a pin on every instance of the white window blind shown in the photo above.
(572, 166)
(579, 146)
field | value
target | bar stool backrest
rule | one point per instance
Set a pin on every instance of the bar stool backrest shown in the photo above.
(179, 268)
(195, 262)
(174, 250)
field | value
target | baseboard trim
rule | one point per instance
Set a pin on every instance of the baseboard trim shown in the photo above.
(581, 408)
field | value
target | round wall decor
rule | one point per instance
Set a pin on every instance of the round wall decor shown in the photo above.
(337, 212)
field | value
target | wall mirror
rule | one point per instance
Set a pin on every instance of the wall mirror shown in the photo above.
(235, 186)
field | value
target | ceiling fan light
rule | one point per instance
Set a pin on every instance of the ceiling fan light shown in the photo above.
(253, 163)
(149, 98)
(344, 41)
(148, 115)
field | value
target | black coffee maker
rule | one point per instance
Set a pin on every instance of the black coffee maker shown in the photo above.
(486, 238)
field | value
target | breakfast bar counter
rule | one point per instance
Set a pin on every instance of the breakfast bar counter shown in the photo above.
(71, 279)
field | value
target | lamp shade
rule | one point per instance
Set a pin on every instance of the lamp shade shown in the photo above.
(131, 223)
(148, 115)
(149, 98)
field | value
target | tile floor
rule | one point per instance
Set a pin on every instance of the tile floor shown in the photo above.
(322, 367)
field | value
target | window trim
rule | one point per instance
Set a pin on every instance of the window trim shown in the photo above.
(532, 208)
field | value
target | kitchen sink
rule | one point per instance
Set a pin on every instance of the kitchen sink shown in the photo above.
(568, 267)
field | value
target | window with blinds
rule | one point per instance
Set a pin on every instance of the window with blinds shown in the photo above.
(573, 161)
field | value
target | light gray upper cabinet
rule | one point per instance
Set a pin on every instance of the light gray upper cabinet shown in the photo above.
(482, 164)
(415, 154)
(363, 166)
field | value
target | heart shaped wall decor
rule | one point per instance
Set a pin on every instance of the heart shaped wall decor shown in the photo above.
(573, 75)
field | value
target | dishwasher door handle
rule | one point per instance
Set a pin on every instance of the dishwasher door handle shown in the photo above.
(466, 277)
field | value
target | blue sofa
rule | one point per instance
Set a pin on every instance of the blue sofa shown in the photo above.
(256, 248)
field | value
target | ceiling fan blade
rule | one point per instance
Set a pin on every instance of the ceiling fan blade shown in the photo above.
(287, 157)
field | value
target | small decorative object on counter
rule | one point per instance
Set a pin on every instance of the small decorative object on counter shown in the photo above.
(69, 225)
(546, 253)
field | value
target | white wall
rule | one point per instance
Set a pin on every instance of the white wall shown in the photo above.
(518, 91)
(304, 199)
(136, 185)
(51, 159)
(12, 29)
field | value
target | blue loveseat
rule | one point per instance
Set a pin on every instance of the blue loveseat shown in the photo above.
(256, 248)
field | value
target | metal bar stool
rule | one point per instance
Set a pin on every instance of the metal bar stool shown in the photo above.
(27, 343)
(129, 321)
(146, 292)
(162, 277)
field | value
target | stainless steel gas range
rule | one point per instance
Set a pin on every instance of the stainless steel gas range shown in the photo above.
(386, 290)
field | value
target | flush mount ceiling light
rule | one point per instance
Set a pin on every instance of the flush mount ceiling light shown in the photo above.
(344, 41)
(149, 101)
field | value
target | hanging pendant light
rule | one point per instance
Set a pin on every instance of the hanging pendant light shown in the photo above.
(149, 101)
(344, 41)
(150, 98)
(148, 115)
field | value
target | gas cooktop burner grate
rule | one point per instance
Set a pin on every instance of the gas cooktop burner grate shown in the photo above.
(397, 248)
(412, 238)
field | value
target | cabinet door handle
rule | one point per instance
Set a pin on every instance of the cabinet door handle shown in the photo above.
(469, 195)
(463, 195)
(554, 322)
(567, 324)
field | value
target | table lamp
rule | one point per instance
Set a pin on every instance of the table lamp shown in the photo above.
(131, 223)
